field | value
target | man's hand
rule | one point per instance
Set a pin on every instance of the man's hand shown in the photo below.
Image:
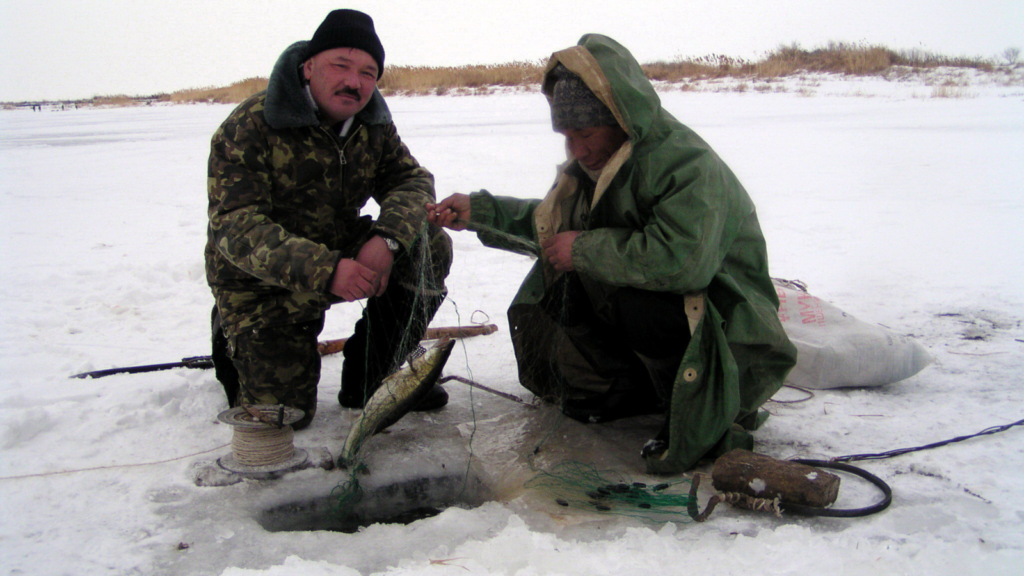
(376, 256)
(452, 212)
(558, 250)
(352, 281)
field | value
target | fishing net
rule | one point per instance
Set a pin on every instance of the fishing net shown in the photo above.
(569, 482)
(387, 337)
(582, 486)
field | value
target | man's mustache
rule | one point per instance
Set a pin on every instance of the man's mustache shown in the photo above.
(350, 92)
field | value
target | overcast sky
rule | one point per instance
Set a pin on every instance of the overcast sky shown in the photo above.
(67, 49)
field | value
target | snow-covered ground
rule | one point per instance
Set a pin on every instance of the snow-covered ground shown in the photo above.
(897, 203)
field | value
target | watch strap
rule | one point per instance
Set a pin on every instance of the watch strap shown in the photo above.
(392, 244)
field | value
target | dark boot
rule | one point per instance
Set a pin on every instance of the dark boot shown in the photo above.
(391, 328)
(655, 447)
(223, 367)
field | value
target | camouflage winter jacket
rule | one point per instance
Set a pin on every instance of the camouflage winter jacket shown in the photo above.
(285, 193)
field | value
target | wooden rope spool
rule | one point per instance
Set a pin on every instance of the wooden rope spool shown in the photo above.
(262, 441)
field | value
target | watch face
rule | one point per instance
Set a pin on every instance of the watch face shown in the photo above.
(392, 244)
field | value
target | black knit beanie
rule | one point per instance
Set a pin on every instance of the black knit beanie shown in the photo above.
(348, 29)
(574, 105)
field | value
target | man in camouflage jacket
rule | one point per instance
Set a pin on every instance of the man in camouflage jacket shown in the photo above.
(289, 171)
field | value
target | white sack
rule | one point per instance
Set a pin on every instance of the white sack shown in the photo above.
(835, 349)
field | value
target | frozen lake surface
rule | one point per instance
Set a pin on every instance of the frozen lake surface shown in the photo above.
(901, 209)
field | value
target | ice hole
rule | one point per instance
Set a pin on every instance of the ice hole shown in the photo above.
(401, 502)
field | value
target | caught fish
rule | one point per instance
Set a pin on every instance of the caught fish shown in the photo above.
(398, 394)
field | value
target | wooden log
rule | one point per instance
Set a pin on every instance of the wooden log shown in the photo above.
(335, 346)
(762, 477)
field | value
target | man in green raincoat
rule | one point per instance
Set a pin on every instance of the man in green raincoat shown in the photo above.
(652, 292)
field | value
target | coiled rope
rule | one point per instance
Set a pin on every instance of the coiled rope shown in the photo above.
(264, 447)
(263, 435)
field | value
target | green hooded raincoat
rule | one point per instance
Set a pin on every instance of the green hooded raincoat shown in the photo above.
(667, 215)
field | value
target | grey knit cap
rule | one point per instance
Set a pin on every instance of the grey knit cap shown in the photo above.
(574, 105)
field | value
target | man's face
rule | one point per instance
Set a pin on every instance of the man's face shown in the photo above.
(593, 146)
(341, 81)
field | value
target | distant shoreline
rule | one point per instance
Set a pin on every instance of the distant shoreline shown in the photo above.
(838, 58)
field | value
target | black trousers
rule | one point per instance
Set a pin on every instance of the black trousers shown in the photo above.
(637, 343)
(652, 324)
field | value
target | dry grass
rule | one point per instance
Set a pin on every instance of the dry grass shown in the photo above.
(117, 100)
(835, 58)
(226, 95)
(426, 80)
(786, 60)
(921, 59)
(950, 91)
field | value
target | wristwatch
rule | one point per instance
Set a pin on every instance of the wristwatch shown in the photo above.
(392, 244)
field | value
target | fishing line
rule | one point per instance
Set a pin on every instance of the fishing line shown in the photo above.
(349, 492)
(114, 466)
(472, 403)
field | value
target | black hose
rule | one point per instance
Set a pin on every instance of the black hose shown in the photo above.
(848, 512)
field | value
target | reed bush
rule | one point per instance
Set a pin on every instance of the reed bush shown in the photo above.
(230, 94)
(916, 58)
(114, 100)
(441, 80)
(785, 60)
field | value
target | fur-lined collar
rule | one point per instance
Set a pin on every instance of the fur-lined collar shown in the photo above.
(288, 103)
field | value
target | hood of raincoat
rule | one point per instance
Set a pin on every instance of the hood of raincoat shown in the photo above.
(665, 181)
(616, 78)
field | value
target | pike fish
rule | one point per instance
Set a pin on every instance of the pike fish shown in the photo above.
(398, 394)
